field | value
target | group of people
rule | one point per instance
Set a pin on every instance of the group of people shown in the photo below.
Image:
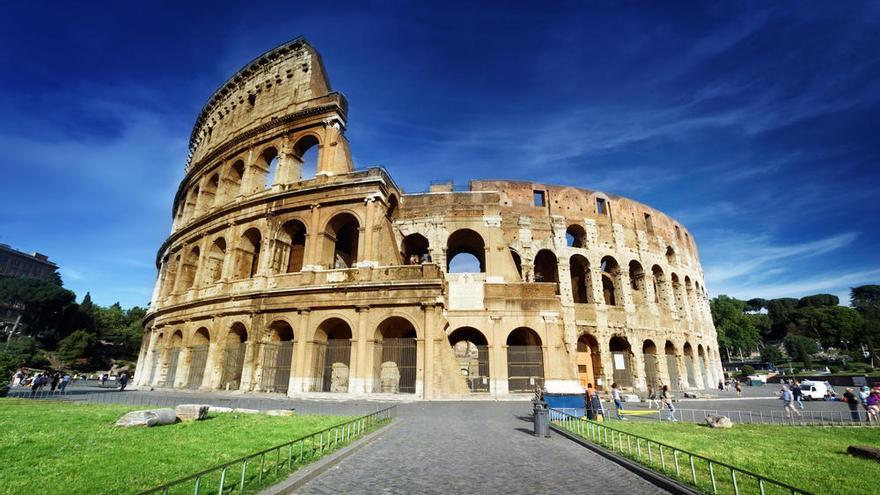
(593, 402)
(54, 381)
(662, 398)
(869, 400)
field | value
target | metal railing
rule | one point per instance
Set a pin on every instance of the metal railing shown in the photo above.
(803, 417)
(254, 471)
(708, 475)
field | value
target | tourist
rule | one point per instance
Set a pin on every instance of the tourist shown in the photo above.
(739, 389)
(798, 394)
(618, 403)
(721, 385)
(853, 404)
(788, 409)
(123, 380)
(56, 378)
(872, 403)
(667, 401)
(864, 393)
(65, 381)
(652, 398)
(103, 379)
(588, 405)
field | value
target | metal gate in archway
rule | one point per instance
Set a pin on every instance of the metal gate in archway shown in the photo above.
(276, 364)
(672, 367)
(199, 358)
(689, 366)
(171, 374)
(397, 365)
(233, 363)
(153, 367)
(652, 374)
(525, 368)
(703, 377)
(334, 351)
(473, 361)
(622, 364)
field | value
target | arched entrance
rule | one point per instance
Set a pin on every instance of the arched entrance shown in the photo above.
(277, 358)
(589, 360)
(343, 234)
(415, 249)
(198, 358)
(472, 355)
(581, 287)
(525, 361)
(701, 361)
(689, 365)
(465, 252)
(652, 364)
(234, 348)
(395, 352)
(621, 361)
(672, 366)
(172, 358)
(332, 356)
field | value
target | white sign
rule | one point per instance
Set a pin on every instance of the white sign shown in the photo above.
(619, 363)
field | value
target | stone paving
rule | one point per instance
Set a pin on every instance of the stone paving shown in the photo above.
(467, 447)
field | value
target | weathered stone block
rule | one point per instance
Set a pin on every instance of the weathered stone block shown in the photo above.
(192, 412)
(718, 421)
(279, 412)
(339, 378)
(390, 378)
(864, 451)
(149, 417)
(240, 410)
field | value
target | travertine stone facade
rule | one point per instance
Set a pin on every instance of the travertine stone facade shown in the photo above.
(341, 283)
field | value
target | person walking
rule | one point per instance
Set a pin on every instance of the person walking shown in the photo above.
(56, 378)
(788, 409)
(123, 380)
(798, 394)
(853, 404)
(721, 385)
(666, 400)
(652, 398)
(872, 403)
(588, 402)
(65, 381)
(618, 403)
(739, 389)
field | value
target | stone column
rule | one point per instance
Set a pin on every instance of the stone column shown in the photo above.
(607, 362)
(149, 358)
(314, 241)
(429, 313)
(498, 362)
(251, 351)
(184, 362)
(366, 256)
(625, 295)
(361, 372)
(638, 367)
(300, 377)
(213, 367)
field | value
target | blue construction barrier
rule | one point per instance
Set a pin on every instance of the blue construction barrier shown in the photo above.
(568, 403)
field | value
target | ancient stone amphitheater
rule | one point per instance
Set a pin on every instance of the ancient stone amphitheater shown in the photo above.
(277, 278)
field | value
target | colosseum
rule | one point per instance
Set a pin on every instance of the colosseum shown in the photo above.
(288, 271)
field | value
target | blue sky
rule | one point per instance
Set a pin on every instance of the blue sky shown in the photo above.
(755, 126)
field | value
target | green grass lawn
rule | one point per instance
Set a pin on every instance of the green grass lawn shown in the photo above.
(809, 458)
(66, 448)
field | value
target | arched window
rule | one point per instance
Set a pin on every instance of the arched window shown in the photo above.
(170, 266)
(269, 164)
(214, 262)
(659, 284)
(472, 355)
(248, 254)
(546, 267)
(192, 202)
(415, 249)
(576, 236)
(670, 255)
(465, 252)
(172, 358)
(290, 247)
(234, 181)
(209, 192)
(190, 264)
(637, 282)
(581, 283)
(610, 275)
(305, 154)
(517, 262)
(343, 235)
(525, 361)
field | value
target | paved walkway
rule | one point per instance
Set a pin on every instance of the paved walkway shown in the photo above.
(467, 447)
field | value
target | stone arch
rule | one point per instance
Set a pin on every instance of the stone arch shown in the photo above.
(546, 267)
(652, 364)
(306, 156)
(525, 360)
(517, 262)
(589, 361)
(703, 368)
(290, 247)
(214, 262)
(234, 180)
(276, 358)
(660, 285)
(581, 279)
(688, 352)
(192, 203)
(332, 355)
(465, 242)
(471, 351)
(209, 191)
(672, 358)
(415, 249)
(396, 355)
(234, 349)
(670, 255)
(265, 169)
(342, 234)
(170, 266)
(198, 357)
(188, 271)
(247, 253)
(173, 349)
(637, 282)
(576, 236)
(610, 280)
(621, 360)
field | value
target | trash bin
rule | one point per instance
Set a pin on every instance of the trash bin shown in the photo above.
(541, 418)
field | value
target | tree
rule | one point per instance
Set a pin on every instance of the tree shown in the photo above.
(771, 354)
(43, 304)
(833, 326)
(761, 322)
(76, 346)
(818, 301)
(756, 304)
(866, 300)
(801, 348)
(735, 331)
(780, 312)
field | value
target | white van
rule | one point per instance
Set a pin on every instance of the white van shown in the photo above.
(815, 390)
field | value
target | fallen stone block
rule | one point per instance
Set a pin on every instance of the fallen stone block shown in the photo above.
(246, 411)
(192, 412)
(864, 451)
(149, 417)
(630, 398)
(279, 412)
(718, 421)
(220, 409)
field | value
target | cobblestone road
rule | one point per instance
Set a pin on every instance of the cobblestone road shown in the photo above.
(473, 448)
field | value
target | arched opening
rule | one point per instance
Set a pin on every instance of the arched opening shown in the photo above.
(652, 364)
(170, 267)
(672, 366)
(676, 296)
(546, 269)
(517, 262)
(670, 255)
(689, 292)
(637, 282)
(209, 192)
(689, 365)
(660, 288)
(465, 252)
(576, 236)
(332, 356)
(343, 233)
(701, 363)
(248, 254)
(234, 181)
(234, 347)
(610, 275)
(525, 361)
(277, 357)
(305, 154)
(172, 358)
(154, 358)
(621, 355)
(188, 272)
(290, 248)
(178, 217)
(415, 249)
(471, 351)
(192, 202)
(198, 358)
(395, 356)
(214, 262)
(589, 361)
(268, 165)
(581, 281)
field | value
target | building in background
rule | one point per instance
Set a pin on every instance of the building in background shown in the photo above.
(14, 263)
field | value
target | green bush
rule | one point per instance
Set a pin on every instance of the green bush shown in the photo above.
(747, 370)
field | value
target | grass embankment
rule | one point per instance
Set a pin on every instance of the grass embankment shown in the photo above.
(65, 448)
(809, 458)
